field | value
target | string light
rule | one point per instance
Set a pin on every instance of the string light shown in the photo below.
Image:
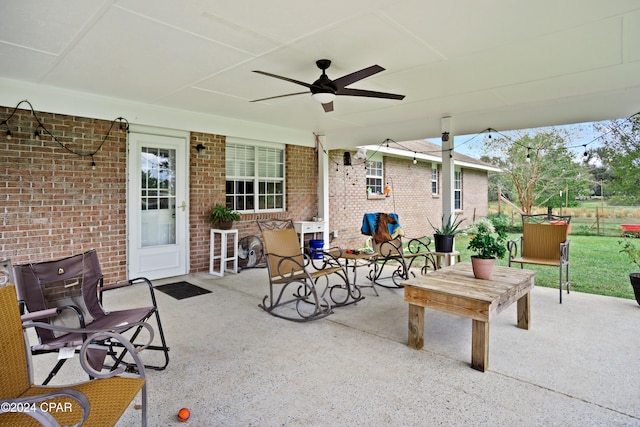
(41, 129)
(415, 161)
(8, 131)
(528, 159)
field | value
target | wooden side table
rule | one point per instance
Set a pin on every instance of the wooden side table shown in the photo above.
(446, 257)
(223, 257)
(309, 227)
(456, 291)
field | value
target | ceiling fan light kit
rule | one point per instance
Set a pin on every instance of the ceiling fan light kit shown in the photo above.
(324, 90)
(324, 97)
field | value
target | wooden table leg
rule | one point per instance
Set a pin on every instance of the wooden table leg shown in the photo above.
(416, 327)
(480, 345)
(524, 311)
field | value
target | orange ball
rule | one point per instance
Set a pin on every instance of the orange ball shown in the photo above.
(183, 415)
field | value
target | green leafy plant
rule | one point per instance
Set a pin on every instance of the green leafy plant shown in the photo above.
(629, 248)
(485, 241)
(221, 213)
(450, 227)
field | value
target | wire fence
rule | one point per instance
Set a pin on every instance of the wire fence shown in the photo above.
(585, 220)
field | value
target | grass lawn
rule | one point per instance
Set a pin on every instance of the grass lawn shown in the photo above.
(596, 266)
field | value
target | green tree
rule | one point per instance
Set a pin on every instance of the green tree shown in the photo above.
(620, 158)
(538, 170)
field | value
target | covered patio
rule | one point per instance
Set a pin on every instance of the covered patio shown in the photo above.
(233, 364)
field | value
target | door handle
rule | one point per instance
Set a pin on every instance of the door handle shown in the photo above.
(183, 206)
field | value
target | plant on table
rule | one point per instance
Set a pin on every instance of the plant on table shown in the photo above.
(450, 227)
(220, 214)
(444, 235)
(485, 241)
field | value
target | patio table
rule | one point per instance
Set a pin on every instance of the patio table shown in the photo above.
(455, 290)
(359, 259)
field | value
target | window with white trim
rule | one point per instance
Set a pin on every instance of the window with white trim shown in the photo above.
(457, 189)
(434, 178)
(255, 177)
(375, 177)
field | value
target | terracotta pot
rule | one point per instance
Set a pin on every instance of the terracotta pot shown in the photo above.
(483, 267)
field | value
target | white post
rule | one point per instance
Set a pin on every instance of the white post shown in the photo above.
(323, 187)
(448, 169)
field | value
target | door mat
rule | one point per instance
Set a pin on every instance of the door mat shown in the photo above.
(182, 290)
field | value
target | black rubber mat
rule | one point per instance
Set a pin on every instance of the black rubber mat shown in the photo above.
(182, 290)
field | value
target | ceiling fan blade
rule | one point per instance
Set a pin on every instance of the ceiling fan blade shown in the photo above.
(287, 79)
(368, 93)
(328, 107)
(280, 96)
(343, 81)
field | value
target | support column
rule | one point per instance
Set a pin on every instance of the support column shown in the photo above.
(448, 169)
(323, 185)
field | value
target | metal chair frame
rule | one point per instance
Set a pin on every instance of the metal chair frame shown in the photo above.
(69, 291)
(290, 269)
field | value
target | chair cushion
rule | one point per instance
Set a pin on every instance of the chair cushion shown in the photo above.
(14, 374)
(109, 398)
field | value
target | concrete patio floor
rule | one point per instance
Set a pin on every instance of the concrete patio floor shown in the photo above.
(233, 364)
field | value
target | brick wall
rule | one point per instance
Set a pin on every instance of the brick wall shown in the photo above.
(410, 197)
(54, 204)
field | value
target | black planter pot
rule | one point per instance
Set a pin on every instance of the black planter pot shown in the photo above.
(635, 282)
(443, 242)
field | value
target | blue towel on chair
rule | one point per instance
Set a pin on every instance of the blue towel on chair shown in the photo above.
(370, 225)
(394, 229)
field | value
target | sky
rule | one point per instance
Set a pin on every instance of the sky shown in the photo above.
(579, 134)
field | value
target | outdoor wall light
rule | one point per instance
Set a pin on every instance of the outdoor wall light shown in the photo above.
(346, 158)
(201, 148)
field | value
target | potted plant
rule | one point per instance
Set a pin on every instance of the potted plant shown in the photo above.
(488, 244)
(443, 236)
(634, 254)
(222, 217)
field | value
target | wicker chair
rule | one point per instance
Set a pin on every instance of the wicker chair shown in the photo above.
(98, 402)
(544, 242)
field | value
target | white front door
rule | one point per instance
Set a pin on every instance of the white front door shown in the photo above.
(158, 213)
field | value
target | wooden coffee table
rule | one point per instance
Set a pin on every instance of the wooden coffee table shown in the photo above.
(454, 290)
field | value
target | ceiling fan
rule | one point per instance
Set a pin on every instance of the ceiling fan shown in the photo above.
(324, 90)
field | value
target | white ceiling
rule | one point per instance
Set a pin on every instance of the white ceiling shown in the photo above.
(502, 64)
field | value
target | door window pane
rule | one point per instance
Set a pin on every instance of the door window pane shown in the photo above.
(157, 193)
